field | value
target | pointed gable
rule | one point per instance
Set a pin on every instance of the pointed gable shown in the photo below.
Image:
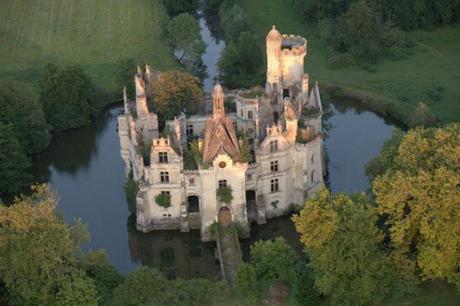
(220, 135)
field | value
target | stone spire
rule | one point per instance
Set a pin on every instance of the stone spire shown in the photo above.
(219, 133)
(273, 42)
(218, 110)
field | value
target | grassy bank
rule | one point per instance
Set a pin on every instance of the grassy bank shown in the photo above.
(432, 67)
(95, 34)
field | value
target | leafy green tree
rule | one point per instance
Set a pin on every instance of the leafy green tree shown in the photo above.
(76, 288)
(176, 7)
(37, 250)
(196, 292)
(145, 286)
(273, 259)
(14, 163)
(124, 76)
(246, 282)
(379, 164)
(174, 92)
(67, 96)
(418, 198)
(302, 285)
(345, 249)
(234, 21)
(105, 276)
(241, 63)
(184, 36)
(26, 116)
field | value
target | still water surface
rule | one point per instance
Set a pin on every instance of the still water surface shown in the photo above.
(85, 168)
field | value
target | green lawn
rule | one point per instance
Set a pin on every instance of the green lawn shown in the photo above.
(92, 33)
(435, 61)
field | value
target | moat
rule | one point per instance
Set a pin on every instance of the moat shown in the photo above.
(85, 168)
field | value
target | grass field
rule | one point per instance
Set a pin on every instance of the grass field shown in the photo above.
(92, 33)
(434, 62)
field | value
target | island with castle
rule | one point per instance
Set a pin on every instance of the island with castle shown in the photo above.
(280, 126)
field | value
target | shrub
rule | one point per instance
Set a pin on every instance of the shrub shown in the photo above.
(163, 199)
(131, 188)
(224, 194)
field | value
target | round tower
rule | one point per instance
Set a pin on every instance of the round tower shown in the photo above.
(273, 42)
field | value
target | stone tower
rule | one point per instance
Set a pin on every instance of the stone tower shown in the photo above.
(273, 42)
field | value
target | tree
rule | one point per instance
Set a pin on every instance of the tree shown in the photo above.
(14, 163)
(345, 249)
(241, 62)
(184, 36)
(176, 7)
(379, 164)
(273, 259)
(418, 198)
(26, 116)
(246, 281)
(124, 76)
(422, 116)
(67, 96)
(174, 92)
(234, 21)
(145, 286)
(77, 288)
(37, 250)
(105, 276)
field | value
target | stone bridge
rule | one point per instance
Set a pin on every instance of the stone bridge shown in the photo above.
(228, 251)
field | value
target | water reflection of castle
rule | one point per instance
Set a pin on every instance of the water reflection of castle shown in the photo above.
(175, 254)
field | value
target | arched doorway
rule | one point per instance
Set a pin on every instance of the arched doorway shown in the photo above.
(193, 204)
(224, 216)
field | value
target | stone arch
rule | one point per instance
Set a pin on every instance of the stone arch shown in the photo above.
(224, 216)
(193, 204)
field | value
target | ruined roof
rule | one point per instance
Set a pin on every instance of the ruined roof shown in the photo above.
(220, 135)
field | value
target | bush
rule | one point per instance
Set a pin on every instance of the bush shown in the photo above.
(224, 194)
(246, 281)
(131, 188)
(163, 199)
(273, 259)
(302, 285)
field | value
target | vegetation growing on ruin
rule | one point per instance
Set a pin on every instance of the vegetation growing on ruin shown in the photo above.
(131, 188)
(224, 194)
(163, 199)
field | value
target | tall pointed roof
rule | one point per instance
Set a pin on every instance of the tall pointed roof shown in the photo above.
(220, 134)
(274, 34)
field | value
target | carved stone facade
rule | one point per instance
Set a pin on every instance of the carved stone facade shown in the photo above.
(282, 127)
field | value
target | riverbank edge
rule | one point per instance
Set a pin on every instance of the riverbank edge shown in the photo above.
(376, 103)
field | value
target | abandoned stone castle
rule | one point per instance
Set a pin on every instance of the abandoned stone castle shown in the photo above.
(249, 165)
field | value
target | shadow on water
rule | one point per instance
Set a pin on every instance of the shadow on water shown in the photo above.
(176, 254)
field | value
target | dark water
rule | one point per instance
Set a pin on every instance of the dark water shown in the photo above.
(85, 168)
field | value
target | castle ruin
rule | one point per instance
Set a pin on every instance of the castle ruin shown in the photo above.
(268, 155)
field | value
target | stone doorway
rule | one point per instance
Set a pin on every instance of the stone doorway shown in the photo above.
(224, 216)
(251, 204)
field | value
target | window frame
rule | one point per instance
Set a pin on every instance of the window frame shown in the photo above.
(163, 157)
(164, 176)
